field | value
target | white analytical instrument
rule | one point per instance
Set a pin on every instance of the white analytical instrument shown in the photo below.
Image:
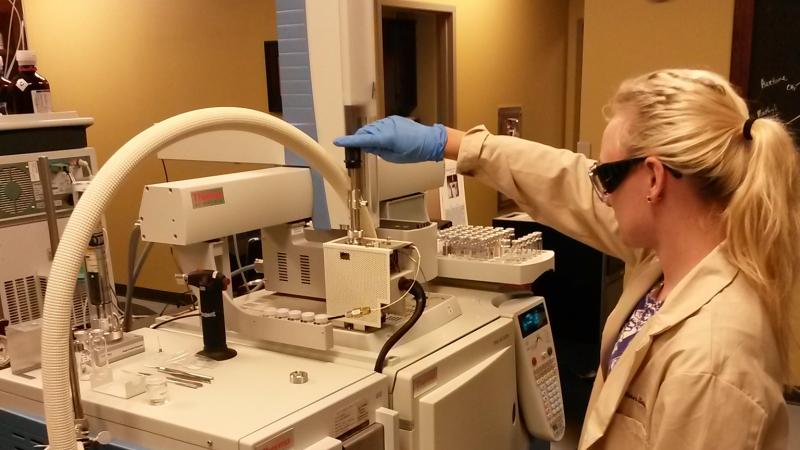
(537, 367)
(25, 251)
(466, 360)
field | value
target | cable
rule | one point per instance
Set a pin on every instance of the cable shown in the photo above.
(416, 275)
(159, 324)
(239, 262)
(8, 39)
(166, 175)
(14, 10)
(242, 269)
(85, 165)
(135, 265)
(419, 295)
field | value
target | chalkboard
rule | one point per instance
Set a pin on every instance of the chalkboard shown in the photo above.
(766, 58)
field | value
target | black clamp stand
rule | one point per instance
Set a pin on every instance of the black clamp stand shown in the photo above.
(212, 313)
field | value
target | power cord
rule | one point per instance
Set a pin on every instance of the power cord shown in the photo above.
(159, 324)
(419, 295)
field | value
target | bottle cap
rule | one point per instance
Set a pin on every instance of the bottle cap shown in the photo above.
(283, 313)
(26, 57)
(308, 316)
(295, 314)
(321, 319)
(81, 336)
(97, 332)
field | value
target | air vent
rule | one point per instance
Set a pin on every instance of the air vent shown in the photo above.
(16, 191)
(305, 269)
(283, 267)
(22, 299)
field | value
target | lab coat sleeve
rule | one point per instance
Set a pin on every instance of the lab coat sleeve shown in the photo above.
(551, 185)
(701, 411)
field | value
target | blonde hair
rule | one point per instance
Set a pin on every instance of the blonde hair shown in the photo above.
(693, 121)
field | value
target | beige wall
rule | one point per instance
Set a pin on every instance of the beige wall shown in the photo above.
(509, 53)
(130, 63)
(624, 38)
(572, 95)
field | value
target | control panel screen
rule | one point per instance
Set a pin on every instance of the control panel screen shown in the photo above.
(532, 319)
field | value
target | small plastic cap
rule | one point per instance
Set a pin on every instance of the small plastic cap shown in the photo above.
(295, 314)
(283, 312)
(321, 319)
(308, 316)
(26, 57)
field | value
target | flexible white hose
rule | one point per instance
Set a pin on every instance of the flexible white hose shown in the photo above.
(87, 213)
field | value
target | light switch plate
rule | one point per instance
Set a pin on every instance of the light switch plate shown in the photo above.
(509, 121)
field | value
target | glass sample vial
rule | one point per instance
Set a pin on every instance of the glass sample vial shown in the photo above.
(31, 91)
(97, 343)
(156, 387)
(83, 355)
(5, 361)
(101, 371)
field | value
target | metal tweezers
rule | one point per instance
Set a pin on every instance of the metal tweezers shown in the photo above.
(197, 377)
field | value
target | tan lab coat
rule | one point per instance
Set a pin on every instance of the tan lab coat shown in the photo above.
(703, 372)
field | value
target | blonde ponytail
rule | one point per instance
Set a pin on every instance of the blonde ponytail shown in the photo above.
(693, 121)
(763, 228)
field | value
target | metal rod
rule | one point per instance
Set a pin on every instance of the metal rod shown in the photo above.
(43, 166)
(74, 384)
(49, 203)
(355, 197)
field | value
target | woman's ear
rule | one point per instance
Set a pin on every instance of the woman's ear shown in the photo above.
(657, 173)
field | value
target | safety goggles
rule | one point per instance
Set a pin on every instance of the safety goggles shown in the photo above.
(607, 177)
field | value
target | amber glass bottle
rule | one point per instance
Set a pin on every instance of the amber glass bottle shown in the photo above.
(31, 91)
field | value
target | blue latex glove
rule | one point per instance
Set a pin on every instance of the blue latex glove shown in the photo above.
(399, 140)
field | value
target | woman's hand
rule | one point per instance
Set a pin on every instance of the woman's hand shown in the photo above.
(399, 140)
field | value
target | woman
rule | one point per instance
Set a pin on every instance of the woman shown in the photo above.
(701, 202)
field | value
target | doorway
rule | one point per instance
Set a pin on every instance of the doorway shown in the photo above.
(416, 76)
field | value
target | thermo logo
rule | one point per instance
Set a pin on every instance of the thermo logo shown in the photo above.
(208, 197)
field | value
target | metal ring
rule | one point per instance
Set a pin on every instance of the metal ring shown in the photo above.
(298, 377)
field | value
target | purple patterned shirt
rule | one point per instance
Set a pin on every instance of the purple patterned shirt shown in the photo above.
(645, 309)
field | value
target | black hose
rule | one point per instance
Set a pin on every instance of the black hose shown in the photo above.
(419, 295)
